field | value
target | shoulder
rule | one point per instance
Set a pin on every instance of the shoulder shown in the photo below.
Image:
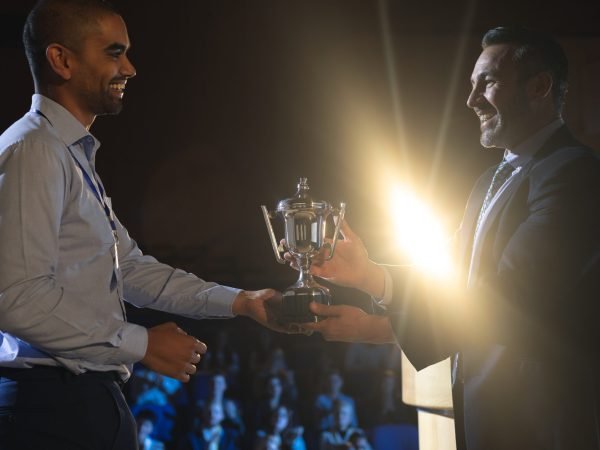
(566, 179)
(574, 164)
(564, 150)
(33, 143)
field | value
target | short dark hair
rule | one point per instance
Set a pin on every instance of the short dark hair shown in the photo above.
(64, 22)
(534, 52)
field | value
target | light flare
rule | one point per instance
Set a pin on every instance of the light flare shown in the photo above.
(420, 234)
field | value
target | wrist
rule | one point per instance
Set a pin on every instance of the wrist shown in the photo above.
(239, 305)
(373, 282)
(377, 330)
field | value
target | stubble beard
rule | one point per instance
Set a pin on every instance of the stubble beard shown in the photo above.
(506, 132)
(104, 104)
(110, 107)
(491, 137)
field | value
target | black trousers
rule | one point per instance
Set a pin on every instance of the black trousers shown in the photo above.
(50, 408)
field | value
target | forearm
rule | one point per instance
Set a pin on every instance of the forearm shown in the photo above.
(151, 284)
(158, 286)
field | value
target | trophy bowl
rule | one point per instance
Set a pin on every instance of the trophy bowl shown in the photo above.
(305, 224)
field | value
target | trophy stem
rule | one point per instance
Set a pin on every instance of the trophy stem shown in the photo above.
(305, 278)
(297, 298)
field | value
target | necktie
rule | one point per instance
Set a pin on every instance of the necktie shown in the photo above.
(503, 172)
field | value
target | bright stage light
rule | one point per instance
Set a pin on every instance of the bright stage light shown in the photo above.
(419, 233)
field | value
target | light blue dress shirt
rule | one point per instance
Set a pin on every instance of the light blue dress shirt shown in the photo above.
(61, 282)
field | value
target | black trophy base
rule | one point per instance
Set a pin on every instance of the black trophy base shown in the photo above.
(295, 301)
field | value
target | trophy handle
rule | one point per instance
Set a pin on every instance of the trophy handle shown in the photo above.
(267, 216)
(340, 219)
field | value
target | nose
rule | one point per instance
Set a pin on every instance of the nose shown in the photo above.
(471, 99)
(128, 70)
(474, 97)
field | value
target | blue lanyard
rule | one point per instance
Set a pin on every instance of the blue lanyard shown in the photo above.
(99, 194)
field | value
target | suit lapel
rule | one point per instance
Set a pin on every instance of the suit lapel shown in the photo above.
(467, 226)
(561, 138)
(492, 215)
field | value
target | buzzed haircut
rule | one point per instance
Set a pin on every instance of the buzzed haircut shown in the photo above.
(535, 52)
(64, 22)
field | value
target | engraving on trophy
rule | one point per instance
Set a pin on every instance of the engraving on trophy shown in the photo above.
(305, 227)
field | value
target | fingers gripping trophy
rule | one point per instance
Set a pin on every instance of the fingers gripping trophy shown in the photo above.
(305, 224)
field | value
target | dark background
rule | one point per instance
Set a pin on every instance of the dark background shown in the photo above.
(234, 100)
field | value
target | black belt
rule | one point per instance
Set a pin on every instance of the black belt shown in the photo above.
(57, 373)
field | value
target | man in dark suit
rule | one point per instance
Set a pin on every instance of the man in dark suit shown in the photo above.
(520, 319)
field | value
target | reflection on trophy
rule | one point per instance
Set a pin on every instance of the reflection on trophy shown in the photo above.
(305, 222)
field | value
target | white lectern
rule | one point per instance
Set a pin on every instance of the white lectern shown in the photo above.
(430, 389)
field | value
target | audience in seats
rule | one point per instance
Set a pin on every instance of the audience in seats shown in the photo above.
(217, 388)
(272, 398)
(208, 432)
(223, 357)
(279, 414)
(341, 435)
(145, 421)
(280, 433)
(324, 402)
(164, 396)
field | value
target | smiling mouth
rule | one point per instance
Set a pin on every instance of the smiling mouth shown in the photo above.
(118, 87)
(485, 117)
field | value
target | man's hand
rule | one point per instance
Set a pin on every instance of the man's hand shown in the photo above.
(172, 352)
(350, 324)
(350, 265)
(263, 306)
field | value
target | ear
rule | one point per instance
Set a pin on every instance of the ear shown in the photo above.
(539, 86)
(60, 60)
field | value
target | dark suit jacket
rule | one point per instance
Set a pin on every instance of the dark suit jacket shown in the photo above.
(525, 320)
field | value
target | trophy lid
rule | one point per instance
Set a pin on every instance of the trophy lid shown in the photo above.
(302, 200)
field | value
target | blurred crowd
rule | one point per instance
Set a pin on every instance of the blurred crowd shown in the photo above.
(259, 390)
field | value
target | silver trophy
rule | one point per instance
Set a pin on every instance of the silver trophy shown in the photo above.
(305, 222)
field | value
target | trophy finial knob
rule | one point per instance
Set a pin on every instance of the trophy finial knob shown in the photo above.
(302, 188)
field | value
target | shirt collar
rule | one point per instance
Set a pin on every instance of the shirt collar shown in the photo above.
(68, 128)
(523, 152)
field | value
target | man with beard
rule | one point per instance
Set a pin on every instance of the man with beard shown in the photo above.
(66, 262)
(520, 321)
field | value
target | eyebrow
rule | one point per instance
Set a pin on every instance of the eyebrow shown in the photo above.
(116, 47)
(482, 75)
